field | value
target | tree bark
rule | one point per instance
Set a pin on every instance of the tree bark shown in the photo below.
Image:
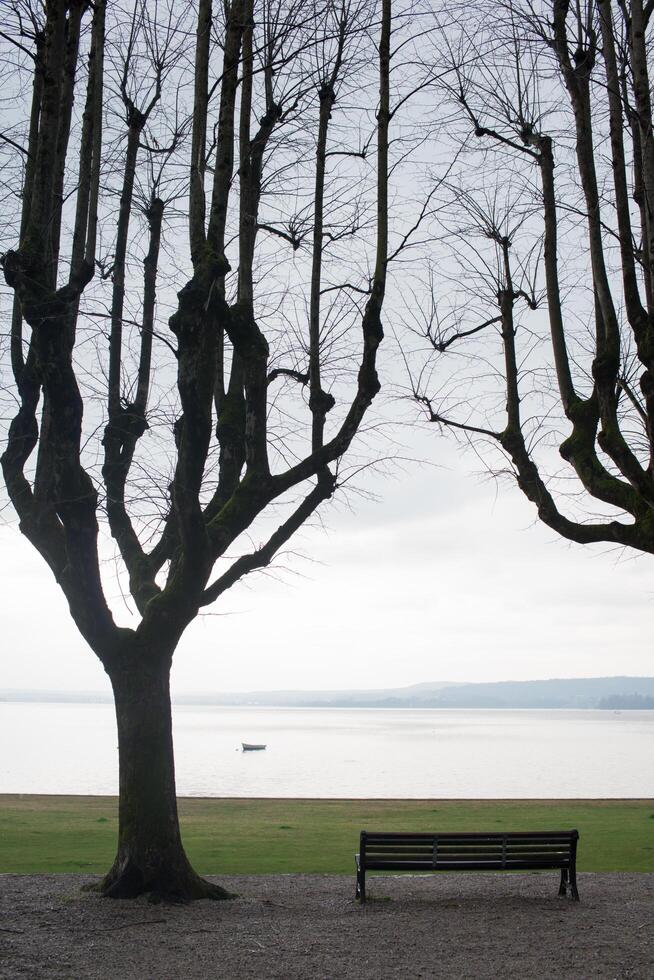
(150, 857)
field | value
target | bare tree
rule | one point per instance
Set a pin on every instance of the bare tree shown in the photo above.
(551, 245)
(178, 438)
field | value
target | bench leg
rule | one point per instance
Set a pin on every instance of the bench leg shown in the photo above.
(563, 887)
(361, 886)
(573, 884)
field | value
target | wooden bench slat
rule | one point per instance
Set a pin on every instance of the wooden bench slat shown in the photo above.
(466, 850)
(495, 856)
(463, 866)
(437, 858)
(469, 835)
(467, 843)
(467, 846)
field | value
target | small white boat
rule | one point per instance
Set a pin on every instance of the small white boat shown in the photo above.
(249, 747)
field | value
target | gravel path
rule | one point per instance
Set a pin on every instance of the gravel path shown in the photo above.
(308, 926)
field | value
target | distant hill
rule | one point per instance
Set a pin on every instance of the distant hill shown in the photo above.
(610, 693)
(583, 692)
(316, 699)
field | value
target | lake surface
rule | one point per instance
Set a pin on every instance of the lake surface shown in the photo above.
(334, 752)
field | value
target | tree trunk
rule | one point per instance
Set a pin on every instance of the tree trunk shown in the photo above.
(150, 859)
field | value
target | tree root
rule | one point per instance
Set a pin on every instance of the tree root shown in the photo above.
(130, 881)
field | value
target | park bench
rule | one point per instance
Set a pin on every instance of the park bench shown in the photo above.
(494, 851)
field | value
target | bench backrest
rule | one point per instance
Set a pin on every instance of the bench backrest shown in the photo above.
(460, 852)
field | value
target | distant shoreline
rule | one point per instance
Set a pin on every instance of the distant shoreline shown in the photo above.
(348, 706)
(620, 693)
(482, 801)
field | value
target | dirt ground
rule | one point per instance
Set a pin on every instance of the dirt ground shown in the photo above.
(308, 926)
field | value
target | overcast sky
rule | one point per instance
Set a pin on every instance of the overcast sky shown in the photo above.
(442, 578)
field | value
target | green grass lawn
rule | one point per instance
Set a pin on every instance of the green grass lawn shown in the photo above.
(78, 833)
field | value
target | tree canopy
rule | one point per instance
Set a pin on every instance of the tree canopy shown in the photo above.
(549, 328)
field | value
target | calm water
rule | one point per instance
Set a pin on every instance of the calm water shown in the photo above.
(332, 752)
